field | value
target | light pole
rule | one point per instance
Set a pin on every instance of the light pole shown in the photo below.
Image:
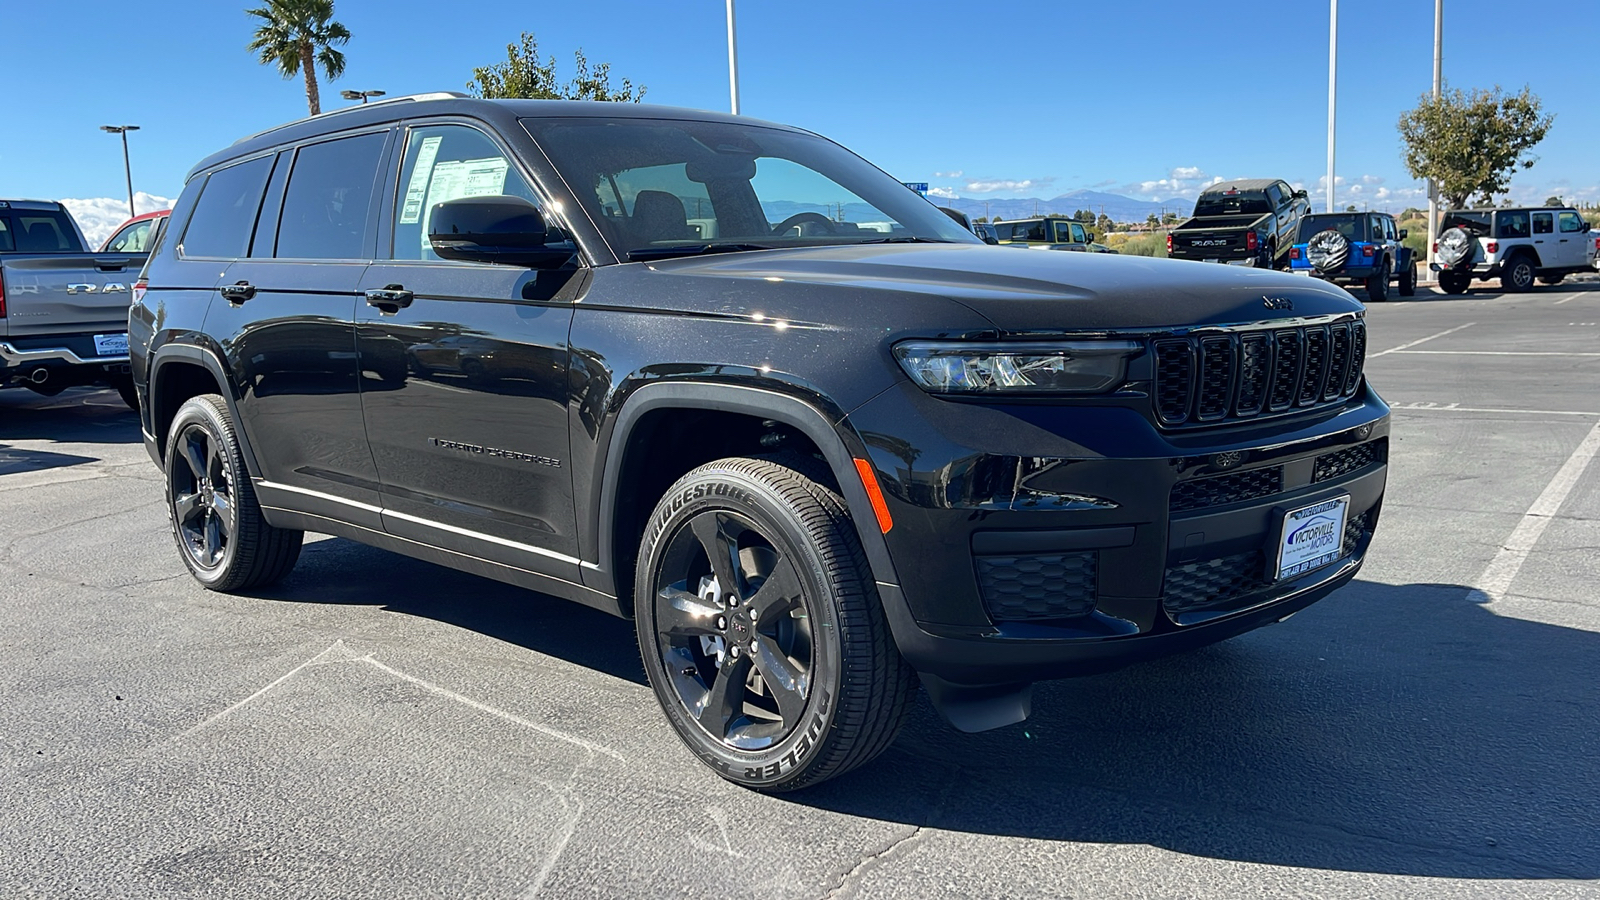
(361, 95)
(733, 62)
(1438, 88)
(1333, 70)
(127, 167)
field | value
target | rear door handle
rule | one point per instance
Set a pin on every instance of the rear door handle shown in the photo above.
(237, 293)
(389, 299)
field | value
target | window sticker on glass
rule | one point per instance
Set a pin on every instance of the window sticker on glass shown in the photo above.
(411, 212)
(463, 178)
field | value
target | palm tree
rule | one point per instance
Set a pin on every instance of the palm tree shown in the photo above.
(298, 34)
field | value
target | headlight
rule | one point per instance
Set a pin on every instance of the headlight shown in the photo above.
(1075, 367)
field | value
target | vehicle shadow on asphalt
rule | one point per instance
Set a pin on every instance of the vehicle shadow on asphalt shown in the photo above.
(1394, 730)
(74, 415)
(339, 571)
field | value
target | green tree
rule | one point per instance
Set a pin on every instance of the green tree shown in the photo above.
(1105, 224)
(1152, 221)
(525, 76)
(1472, 143)
(1351, 208)
(1554, 201)
(297, 35)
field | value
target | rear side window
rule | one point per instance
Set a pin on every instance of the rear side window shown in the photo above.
(38, 232)
(6, 243)
(226, 212)
(1544, 223)
(329, 196)
(1511, 225)
(133, 239)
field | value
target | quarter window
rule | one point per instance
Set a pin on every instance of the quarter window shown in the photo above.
(447, 162)
(1512, 225)
(1571, 223)
(329, 195)
(226, 212)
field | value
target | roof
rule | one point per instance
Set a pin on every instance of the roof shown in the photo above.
(503, 113)
(1241, 184)
(43, 205)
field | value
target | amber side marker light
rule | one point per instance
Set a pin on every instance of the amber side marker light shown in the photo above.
(869, 480)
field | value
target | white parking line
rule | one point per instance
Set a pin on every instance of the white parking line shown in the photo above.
(1421, 341)
(1426, 406)
(1570, 299)
(1503, 569)
(1493, 352)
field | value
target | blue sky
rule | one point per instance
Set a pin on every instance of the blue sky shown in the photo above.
(1147, 98)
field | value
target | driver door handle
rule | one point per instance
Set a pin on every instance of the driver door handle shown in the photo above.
(389, 299)
(237, 293)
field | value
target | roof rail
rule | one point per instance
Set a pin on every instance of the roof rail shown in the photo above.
(409, 98)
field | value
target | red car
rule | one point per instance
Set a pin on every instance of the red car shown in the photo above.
(137, 234)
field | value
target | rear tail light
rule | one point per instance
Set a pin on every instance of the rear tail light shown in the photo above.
(1251, 240)
(3, 293)
(1367, 251)
(1436, 246)
(1169, 244)
(1494, 247)
(1294, 252)
(139, 287)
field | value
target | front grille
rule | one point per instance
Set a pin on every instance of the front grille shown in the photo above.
(1221, 378)
(1351, 459)
(1215, 581)
(1048, 586)
(1219, 490)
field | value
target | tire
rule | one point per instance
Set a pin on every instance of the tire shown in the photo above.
(1266, 259)
(1552, 279)
(125, 390)
(1378, 283)
(1454, 282)
(1519, 275)
(1327, 251)
(227, 547)
(768, 520)
(1408, 281)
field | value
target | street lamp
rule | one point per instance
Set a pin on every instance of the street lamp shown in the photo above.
(361, 95)
(733, 62)
(127, 168)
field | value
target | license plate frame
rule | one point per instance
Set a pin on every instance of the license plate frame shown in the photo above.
(1318, 529)
(111, 344)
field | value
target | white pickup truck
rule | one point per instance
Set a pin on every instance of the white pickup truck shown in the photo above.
(1519, 246)
(63, 309)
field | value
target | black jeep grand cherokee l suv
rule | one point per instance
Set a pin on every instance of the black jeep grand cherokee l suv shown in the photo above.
(624, 355)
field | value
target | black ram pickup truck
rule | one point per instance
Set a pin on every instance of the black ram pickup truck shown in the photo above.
(621, 355)
(1242, 223)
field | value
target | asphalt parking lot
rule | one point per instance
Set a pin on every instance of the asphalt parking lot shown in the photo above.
(380, 727)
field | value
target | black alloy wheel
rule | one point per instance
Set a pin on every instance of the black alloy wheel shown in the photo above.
(1519, 275)
(222, 537)
(125, 389)
(1454, 282)
(760, 626)
(1378, 283)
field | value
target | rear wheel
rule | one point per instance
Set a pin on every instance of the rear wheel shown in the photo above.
(221, 534)
(125, 390)
(1454, 282)
(761, 629)
(1519, 274)
(1408, 281)
(1378, 283)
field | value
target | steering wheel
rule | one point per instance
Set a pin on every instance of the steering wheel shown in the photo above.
(797, 219)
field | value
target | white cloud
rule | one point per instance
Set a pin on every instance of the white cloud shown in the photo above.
(1184, 172)
(99, 217)
(944, 192)
(993, 185)
(1181, 182)
(953, 173)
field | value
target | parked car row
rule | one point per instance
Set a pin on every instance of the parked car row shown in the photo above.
(1518, 246)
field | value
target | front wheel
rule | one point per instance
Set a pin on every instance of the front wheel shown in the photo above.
(1408, 281)
(222, 536)
(1378, 283)
(761, 628)
(1454, 282)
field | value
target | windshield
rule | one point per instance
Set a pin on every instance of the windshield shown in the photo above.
(1352, 226)
(1232, 203)
(660, 187)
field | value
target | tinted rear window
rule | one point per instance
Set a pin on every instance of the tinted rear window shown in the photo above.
(1474, 222)
(1351, 226)
(226, 212)
(1231, 204)
(329, 195)
(27, 231)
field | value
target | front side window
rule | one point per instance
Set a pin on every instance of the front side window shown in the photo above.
(1078, 234)
(1572, 223)
(329, 195)
(447, 162)
(663, 187)
(1544, 223)
(1063, 233)
(133, 239)
(226, 212)
(1274, 195)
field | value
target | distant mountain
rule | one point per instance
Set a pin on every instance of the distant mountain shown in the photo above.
(1118, 207)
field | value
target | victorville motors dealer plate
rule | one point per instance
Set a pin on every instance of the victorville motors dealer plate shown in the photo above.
(1312, 536)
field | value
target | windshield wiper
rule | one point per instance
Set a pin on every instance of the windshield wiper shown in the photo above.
(644, 254)
(905, 239)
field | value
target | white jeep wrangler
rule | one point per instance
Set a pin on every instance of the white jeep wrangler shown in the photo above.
(1518, 246)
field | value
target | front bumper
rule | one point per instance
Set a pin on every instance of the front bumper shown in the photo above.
(1116, 542)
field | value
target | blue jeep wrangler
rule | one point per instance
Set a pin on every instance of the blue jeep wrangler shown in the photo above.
(1353, 249)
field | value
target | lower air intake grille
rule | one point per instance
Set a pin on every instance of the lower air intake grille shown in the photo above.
(1223, 489)
(1352, 459)
(1050, 586)
(1198, 585)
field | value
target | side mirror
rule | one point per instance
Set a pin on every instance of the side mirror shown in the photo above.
(990, 239)
(1301, 195)
(493, 229)
(1091, 236)
(1404, 232)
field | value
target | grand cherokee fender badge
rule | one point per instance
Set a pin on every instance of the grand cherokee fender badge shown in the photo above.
(496, 451)
(1278, 303)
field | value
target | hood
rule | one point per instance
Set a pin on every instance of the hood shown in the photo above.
(1042, 293)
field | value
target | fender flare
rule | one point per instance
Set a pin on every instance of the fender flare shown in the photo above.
(207, 359)
(799, 414)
